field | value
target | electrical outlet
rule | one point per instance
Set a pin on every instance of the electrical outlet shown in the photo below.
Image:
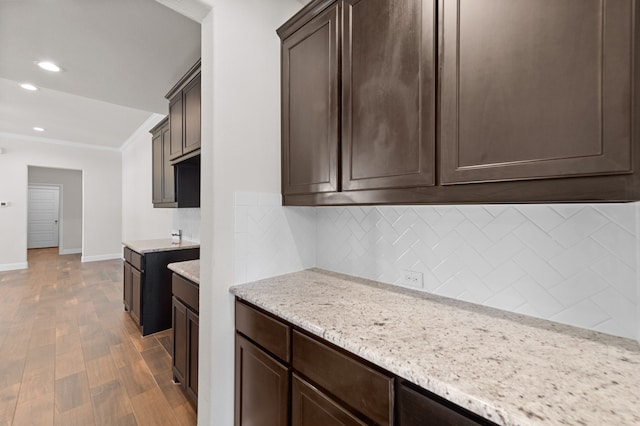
(411, 279)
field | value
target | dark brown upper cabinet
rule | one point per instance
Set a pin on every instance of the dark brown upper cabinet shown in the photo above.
(185, 116)
(163, 178)
(461, 101)
(173, 185)
(388, 94)
(310, 107)
(535, 89)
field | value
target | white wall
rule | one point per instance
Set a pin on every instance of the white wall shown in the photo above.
(140, 221)
(70, 206)
(240, 152)
(102, 196)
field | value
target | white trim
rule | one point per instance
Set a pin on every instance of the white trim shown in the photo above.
(41, 139)
(13, 266)
(144, 128)
(71, 251)
(100, 257)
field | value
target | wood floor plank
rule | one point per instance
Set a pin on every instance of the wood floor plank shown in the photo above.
(137, 378)
(35, 412)
(72, 392)
(36, 384)
(151, 409)
(68, 342)
(40, 358)
(101, 370)
(111, 404)
(8, 401)
(11, 372)
(186, 415)
(157, 359)
(79, 416)
(69, 363)
(72, 356)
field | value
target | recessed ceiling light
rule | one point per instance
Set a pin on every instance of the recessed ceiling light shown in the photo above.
(28, 86)
(38, 129)
(49, 66)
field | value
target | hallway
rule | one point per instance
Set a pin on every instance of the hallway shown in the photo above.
(70, 355)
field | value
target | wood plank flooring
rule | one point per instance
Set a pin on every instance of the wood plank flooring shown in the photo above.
(70, 355)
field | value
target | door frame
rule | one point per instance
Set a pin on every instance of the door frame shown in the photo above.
(60, 210)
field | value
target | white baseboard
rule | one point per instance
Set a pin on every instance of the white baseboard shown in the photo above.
(100, 257)
(70, 251)
(13, 266)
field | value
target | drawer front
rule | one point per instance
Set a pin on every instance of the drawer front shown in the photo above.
(186, 291)
(417, 408)
(137, 261)
(364, 389)
(268, 332)
(127, 254)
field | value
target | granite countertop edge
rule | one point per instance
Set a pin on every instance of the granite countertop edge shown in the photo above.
(158, 245)
(487, 408)
(189, 269)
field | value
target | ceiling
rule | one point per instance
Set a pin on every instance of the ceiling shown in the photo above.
(118, 57)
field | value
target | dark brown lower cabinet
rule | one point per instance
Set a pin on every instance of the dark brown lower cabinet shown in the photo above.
(262, 387)
(310, 407)
(147, 286)
(318, 384)
(185, 322)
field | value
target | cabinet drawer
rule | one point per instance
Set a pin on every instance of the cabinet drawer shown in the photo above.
(127, 254)
(417, 407)
(364, 389)
(186, 291)
(137, 261)
(271, 334)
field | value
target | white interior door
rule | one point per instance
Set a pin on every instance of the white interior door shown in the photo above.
(43, 217)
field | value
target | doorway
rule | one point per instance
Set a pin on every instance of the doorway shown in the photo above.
(48, 225)
(43, 221)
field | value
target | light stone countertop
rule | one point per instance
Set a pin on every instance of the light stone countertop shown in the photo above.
(190, 269)
(509, 368)
(164, 244)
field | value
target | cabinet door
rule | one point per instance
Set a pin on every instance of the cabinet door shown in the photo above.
(136, 296)
(157, 167)
(179, 356)
(261, 386)
(388, 89)
(533, 89)
(175, 124)
(192, 118)
(126, 292)
(310, 106)
(168, 185)
(193, 324)
(310, 407)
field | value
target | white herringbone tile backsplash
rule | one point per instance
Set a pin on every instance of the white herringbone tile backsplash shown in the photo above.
(574, 263)
(269, 239)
